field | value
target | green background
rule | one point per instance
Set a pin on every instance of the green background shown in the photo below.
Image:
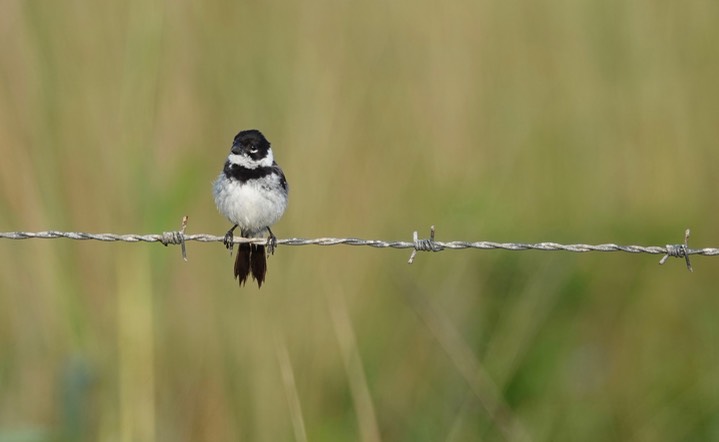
(570, 121)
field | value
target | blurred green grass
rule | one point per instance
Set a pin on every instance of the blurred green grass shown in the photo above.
(591, 121)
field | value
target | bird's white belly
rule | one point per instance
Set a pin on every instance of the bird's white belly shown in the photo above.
(249, 205)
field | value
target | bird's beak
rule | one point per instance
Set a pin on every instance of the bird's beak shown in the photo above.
(237, 149)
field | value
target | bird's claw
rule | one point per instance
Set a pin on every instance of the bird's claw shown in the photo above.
(271, 244)
(229, 240)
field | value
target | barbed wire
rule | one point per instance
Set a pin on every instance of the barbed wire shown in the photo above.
(417, 244)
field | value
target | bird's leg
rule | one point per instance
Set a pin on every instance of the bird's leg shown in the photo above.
(229, 239)
(271, 242)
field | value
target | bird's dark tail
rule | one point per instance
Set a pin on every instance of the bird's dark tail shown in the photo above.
(242, 263)
(258, 263)
(251, 257)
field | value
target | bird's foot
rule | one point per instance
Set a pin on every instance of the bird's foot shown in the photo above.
(271, 243)
(229, 240)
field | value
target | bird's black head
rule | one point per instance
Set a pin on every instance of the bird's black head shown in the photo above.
(251, 143)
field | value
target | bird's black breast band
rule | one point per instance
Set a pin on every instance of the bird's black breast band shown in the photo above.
(243, 174)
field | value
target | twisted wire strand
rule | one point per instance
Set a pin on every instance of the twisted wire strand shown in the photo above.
(427, 245)
(179, 237)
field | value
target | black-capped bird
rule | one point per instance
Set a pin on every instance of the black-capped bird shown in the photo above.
(251, 192)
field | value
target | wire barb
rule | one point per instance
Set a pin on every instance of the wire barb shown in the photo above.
(177, 237)
(182, 237)
(424, 245)
(679, 251)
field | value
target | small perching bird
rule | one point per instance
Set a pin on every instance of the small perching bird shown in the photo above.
(251, 192)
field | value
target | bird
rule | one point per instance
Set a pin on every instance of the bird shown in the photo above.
(252, 193)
